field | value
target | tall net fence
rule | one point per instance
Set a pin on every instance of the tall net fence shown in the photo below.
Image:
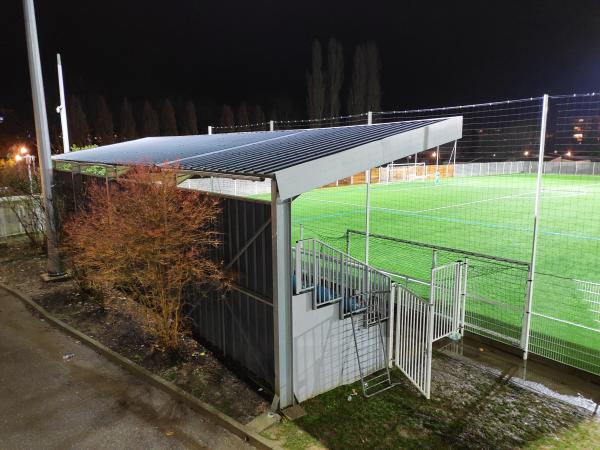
(476, 199)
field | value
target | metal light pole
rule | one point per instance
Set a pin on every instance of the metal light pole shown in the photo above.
(30, 159)
(62, 108)
(42, 136)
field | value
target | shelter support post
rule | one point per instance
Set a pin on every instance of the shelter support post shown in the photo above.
(282, 296)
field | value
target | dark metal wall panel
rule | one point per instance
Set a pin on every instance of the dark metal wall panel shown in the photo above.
(240, 326)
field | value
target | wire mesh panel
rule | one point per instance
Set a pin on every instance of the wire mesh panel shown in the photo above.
(413, 338)
(591, 295)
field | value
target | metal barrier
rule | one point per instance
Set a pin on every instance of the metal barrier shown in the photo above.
(413, 338)
(334, 276)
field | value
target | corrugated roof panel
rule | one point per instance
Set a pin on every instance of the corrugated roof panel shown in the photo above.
(298, 159)
(267, 157)
(260, 153)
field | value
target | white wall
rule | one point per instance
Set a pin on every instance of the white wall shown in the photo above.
(324, 349)
(9, 223)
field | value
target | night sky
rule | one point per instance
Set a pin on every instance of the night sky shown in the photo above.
(433, 53)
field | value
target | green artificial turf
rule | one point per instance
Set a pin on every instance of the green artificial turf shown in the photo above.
(492, 215)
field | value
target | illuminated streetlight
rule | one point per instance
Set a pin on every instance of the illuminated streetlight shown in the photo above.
(434, 154)
(569, 153)
(526, 152)
(24, 150)
(18, 158)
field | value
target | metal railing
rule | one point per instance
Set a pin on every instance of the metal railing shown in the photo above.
(335, 276)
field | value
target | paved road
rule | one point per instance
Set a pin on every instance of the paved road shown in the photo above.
(86, 402)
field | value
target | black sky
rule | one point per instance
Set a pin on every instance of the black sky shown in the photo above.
(433, 53)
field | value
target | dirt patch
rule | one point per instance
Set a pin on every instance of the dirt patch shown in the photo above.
(195, 369)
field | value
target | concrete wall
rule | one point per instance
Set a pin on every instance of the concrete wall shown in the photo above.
(9, 223)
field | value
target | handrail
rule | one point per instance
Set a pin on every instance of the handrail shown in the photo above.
(334, 275)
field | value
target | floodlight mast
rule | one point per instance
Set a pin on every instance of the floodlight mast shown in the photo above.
(42, 137)
(62, 108)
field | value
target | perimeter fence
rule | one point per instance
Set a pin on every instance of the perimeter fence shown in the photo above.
(531, 232)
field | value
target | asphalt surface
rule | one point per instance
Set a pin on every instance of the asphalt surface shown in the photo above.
(57, 393)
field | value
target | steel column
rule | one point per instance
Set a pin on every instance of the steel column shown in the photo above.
(281, 237)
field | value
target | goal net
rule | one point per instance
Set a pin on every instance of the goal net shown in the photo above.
(405, 172)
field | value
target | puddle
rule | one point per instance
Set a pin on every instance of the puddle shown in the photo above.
(552, 382)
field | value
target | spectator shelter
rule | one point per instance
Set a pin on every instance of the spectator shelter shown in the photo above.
(279, 318)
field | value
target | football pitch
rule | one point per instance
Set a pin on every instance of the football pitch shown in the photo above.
(490, 215)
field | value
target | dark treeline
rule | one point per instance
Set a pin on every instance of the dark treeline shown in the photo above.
(93, 121)
(333, 88)
(327, 82)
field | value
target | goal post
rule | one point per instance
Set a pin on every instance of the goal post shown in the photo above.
(406, 172)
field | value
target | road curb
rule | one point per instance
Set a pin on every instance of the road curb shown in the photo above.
(192, 402)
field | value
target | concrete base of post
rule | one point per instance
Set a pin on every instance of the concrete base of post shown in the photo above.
(55, 277)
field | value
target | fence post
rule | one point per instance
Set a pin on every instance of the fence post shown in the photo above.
(463, 295)
(391, 326)
(536, 223)
(367, 214)
(271, 125)
(209, 129)
(368, 200)
(347, 242)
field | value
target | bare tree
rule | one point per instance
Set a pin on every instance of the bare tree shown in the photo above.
(168, 121)
(126, 121)
(357, 98)
(373, 62)
(189, 123)
(79, 129)
(150, 123)
(227, 119)
(257, 115)
(335, 76)
(157, 240)
(315, 101)
(104, 129)
(242, 115)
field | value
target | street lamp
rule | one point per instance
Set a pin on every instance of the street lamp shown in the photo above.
(30, 159)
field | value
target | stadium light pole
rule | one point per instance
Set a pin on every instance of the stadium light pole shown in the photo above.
(54, 264)
(536, 224)
(62, 108)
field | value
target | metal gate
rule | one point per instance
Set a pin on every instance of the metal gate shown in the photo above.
(414, 338)
(420, 322)
(448, 301)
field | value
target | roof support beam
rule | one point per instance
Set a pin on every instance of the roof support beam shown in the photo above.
(281, 236)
